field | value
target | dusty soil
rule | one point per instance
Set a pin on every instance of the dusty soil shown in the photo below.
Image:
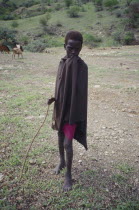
(113, 104)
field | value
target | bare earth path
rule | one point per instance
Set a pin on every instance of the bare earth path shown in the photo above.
(110, 167)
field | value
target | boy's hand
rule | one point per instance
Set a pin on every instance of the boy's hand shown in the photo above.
(50, 101)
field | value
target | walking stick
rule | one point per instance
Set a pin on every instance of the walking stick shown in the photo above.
(32, 143)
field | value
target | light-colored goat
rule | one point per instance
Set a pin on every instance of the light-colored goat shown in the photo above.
(17, 51)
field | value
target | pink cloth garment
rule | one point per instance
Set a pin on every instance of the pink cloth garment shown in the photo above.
(69, 130)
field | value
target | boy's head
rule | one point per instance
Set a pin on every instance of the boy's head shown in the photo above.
(73, 43)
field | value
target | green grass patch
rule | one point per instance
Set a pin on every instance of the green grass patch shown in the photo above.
(128, 205)
(119, 178)
(125, 168)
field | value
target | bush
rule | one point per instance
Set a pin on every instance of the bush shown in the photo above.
(15, 24)
(91, 40)
(24, 40)
(59, 24)
(98, 5)
(117, 36)
(68, 3)
(123, 38)
(54, 41)
(7, 34)
(82, 9)
(128, 2)
(44, 21)
(110, 4)
(9, 17)
(73, 11)
(133, 14)
(58, 6)
(36, 46)
(6, 7)
(29, 3)
(43, 43)
(118, 14)
(128, 38)
(98, 2)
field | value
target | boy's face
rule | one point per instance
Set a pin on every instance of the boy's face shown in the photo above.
(73, 48)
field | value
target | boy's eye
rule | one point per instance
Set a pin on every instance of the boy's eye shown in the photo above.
(69, 48)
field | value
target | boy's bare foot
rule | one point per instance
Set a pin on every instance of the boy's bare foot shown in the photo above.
(67, 184)
(59, 167)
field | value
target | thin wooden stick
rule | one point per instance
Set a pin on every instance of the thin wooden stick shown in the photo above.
(32, 143)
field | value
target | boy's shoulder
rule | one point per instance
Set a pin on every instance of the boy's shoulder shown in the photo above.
(82, 63)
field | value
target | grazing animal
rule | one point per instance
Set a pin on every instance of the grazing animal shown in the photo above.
(17, 51)
(4, 48)
(19, 47)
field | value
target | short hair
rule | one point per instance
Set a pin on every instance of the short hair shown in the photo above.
(74, 35)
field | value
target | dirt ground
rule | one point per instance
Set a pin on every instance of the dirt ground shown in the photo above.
(113, 105)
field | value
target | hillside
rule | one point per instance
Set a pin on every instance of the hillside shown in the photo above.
(40, 24)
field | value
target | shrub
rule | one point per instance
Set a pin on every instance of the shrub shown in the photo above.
(118, 14)
(98, 5)
(110, 4)
(82, 9)
(43, 43)
(6, 7)
(15, 24)
(128, 2)
(133, 14)
(54, 41)
(91, 40)
(58, 6)
(98, 2)
(49, 10)
(44, 21)
(7, 34)
(123, 38)
(128, 38)
(9, 17)
(29, 3)
(117, 36)
(36, 46)
(59, 24)
(68, 3)
(73, 11)
(24, 40)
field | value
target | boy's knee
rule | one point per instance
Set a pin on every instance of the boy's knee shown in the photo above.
(61, 135)
(68, 145)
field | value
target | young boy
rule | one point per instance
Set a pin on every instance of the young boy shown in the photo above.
(70, 108)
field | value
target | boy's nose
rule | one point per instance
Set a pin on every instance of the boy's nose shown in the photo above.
(73, 52)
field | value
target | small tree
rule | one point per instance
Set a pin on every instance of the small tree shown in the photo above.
(44, 21)
(91, 40)
(7, 34)
(110, 4)
(133, 14)
(73, 11)
(128, 38)
(98, 5)
(15, 24)
(128, 2)
(68, 3)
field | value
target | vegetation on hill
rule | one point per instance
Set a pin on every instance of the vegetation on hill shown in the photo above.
(43, 23)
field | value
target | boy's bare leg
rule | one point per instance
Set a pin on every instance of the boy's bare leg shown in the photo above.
(62, 164)
(69, 157)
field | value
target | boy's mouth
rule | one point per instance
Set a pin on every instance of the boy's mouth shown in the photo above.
(72, 55)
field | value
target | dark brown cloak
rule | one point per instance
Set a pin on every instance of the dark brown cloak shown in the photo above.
(71, 97)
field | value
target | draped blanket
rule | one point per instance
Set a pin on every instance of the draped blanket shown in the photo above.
(71, 97)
